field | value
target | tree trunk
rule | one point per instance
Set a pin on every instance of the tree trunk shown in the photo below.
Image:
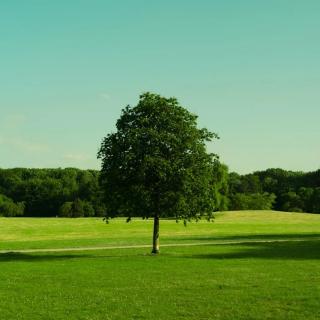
(155, 243)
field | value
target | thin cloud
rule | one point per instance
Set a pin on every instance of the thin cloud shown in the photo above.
(79, 160)
(77, 157)
(105, 96)
(25, 145)
(13, 121)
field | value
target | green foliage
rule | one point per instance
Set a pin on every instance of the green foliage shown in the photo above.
(309, 199)
(294, 191)
(254, 201)
(44, 191)
(156, 163)
(316, 200)
(8, 208)
(292, 202)
(100, 209)
(220, 186)
(66, 210)
(76, 209)
(88, 210)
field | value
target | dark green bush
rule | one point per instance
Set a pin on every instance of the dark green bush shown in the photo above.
(254, 201)
(8, 208)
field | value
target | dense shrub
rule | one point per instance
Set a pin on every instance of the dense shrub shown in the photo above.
(65, 210)
(10, 209)
(77, 208)
(254, 201)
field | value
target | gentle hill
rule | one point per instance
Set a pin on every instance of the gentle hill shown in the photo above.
(31, 233)
(260, 265)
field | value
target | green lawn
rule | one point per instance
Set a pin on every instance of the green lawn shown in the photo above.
(228, 281)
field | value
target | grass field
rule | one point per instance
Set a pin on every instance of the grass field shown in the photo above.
(245, 280)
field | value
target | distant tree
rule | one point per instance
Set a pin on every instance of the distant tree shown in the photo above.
(65, 210)
(156, 164)
(270, 184)
(8, 208)
(311, 179)
(253, 201)
(316, 200)
(77, 208)
(221, 186)
(88, 210)
(234, 183)
(99, 209)
(292, 202)
(250, 183)
(44, 191)
(306, 198)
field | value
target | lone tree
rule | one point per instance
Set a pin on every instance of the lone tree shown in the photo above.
(156, 164)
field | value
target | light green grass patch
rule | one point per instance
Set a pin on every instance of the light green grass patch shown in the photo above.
(28, 233)
(239, 281)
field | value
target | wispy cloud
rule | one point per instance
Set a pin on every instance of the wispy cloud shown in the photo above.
(80, 160)
(12, 135)
(77, 157)
(13, 121)
(23, 144)
(104, 95)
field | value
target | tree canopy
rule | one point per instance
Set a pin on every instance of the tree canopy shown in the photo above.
(156, 164)
(52, 192)
(49, 192)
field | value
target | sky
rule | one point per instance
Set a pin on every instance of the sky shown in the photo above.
(249, 69)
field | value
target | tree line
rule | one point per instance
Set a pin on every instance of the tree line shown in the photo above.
(66, 192)
(276, 189)
(73, 192)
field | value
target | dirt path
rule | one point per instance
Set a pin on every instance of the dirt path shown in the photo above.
(217, 242)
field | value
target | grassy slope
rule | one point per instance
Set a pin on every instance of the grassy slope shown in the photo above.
(17, 233)
(241, 281)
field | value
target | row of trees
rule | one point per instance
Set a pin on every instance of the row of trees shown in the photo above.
(283, 190)
(77, 193)
(50, 192)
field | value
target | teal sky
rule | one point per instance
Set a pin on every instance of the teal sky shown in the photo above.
(249, 69)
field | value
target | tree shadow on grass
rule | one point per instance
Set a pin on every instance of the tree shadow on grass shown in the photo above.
(304, 250)
(43, 257)
(35, 257)
(244, 237)
(307, 249)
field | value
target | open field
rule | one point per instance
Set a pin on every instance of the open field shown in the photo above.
(251, 280)
(31, 233)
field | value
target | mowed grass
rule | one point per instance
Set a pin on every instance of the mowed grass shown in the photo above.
(251, 280)
(32, 233)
